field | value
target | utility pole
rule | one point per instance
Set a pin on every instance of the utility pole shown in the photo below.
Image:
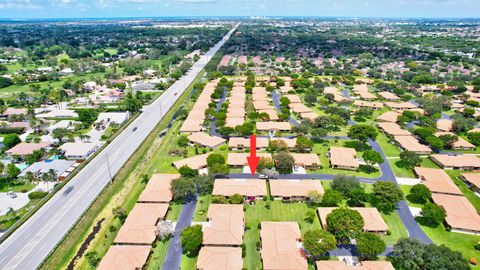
(109, 170)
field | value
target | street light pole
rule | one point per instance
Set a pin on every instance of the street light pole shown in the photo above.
(109, 170)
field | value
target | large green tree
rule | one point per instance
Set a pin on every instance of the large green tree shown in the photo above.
(386, 195)
(318, 242)
(362, 133)
(191, 239)
(433, 214)
(370, 245)
(344, 223)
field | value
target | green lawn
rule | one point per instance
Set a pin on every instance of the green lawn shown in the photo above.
(174, 211)
(188, 263)
(201, 209)
(456, 241)
(278, 212)
(158, 255)
(428, 163)
(15, 186)
(322, 151)
(468, 193)
(396, 228)
(400, 171)
(388, 148)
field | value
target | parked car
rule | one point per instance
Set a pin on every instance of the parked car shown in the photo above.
(11, 194)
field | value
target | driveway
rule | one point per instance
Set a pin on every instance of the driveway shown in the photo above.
(16, 203)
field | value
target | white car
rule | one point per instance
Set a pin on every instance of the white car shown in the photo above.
(263, 176)
(11, 194)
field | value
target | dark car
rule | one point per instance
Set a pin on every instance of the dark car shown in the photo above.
(134, 129)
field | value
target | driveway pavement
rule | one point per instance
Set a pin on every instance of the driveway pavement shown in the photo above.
(174, 252)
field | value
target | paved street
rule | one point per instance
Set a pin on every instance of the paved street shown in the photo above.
(33, 241)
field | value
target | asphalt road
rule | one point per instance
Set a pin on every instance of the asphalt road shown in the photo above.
(27, 247)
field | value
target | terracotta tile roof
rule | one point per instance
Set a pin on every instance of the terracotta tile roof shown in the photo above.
(125, 258)
(244, 187)
(220, 258)
(261, 105)
(306, 159)
(361, 103)
(300, 108)
(459, 144)
(280, 248)
(266, 126)
(294, 188)
(195, 162)
(437, 180)
(225, 225)
(140, 225)
(234, 121)
(309, 115)
(23, 149)
(366, 265)
(272, 114)
(473, 178)
(158, 189)
(291, 143)
(240, 159)
(444, 124)
(389, 95)
(389, 117)
(293, 98)
(206, 140)
(460, 212)
(191, 125)
(411, 143)
(343, 157)
(400, 105)
(371, 217)
(457, 161)
(393, 129)
(245, 142)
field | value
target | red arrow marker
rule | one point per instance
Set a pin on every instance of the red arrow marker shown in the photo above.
(253, 159)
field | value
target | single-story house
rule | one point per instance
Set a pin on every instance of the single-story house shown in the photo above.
(290, 142)
(205, 139)
(23, 149)
(306, 160)
(343, 158)
(273, 126)
(373, 220)
(125, 257)
(410, 143)
(141, 224)
(299, 108)
(66, 124)
(393, 129)
(281, 246)
(57, 113)
(14, 111)
(459, 144)
(113, 117)
(389, 116)
(389, 96)
(368, 104)
(445, 125)
(192, 125)
(293, 98)
(60, 166)
(240, 143)
(459, 162)
(437, 180)
(196, 162)
(272, 113)
(400, 106)
(158, 189)
(233, 122)
(472, 180)
(246, 187)
(240, 159)
(461, 215)
(364, 265)
(224, 226)
(289, 189)
(79, 150)
(220, 258)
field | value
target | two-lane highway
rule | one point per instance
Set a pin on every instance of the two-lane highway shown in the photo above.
(27, 247)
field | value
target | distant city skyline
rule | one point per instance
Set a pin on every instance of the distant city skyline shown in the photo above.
(162, 8)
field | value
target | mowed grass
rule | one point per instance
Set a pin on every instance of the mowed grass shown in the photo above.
(278, 211)
(468, 193)
(456, 241)
(322, 151)
(395, 226)
(158, 255)
(188, 263)
(201, 209)
(388, 148)
(400, 171)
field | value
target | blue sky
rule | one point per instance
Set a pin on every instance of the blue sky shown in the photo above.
(141, 8)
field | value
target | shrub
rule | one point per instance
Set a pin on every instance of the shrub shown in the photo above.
(37, 195)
